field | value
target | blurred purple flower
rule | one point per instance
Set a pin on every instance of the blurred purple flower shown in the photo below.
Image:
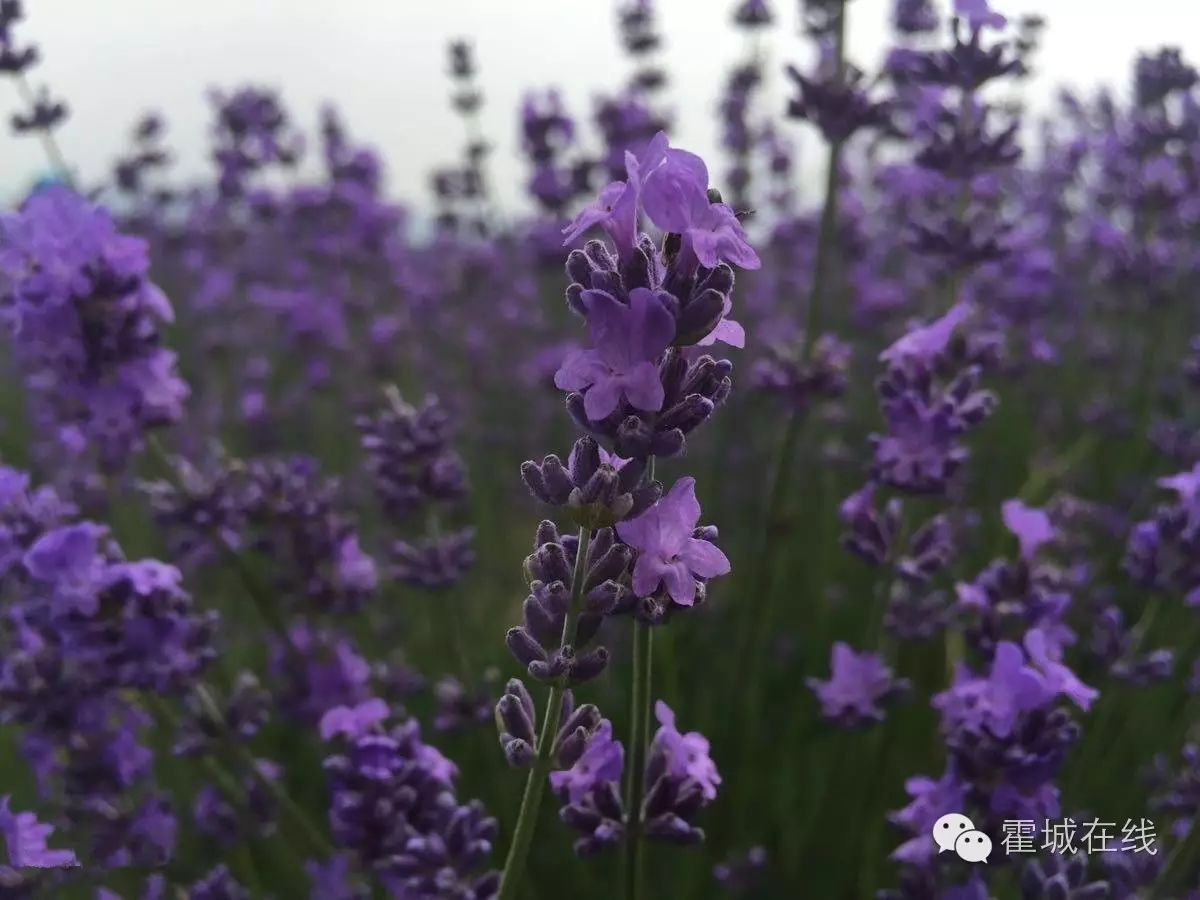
(25, 840)
(1059, 678)
(857, 685)
(925, 343)
(993, 702)
(1032, 527)
(979, 14)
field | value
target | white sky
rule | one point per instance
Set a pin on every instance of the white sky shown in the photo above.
(383, 62)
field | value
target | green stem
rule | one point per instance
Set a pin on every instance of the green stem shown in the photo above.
(312, 834)
(632, 868)
(518, 851)
(225, 781)
(829, 211)
(639, 735)
(49, 144)
(756, 629)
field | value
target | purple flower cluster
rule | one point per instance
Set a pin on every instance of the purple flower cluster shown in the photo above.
(926, 415)
(680, 776)
(1162, 551)
(86, 324)
(283, 509)
(1007, 729)
(85, 630)
(414, 470)
(394, 806)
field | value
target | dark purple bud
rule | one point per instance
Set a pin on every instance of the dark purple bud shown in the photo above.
(523, 646)
(652, 610)
(545, 626)
(589, 665)
(532, 476)
(673, 372)
(672, 829)
(600, 486)
(579, 267)
(635, 438)
(603, 598)
(687, 414)
(514, 719)
(549, 563)
(553, 669)
(598, 255)
(517, 753)
(699, 318)
(608, 567)
(547, 533)
(644, 497)
(720, 279)
(557, 480)
(570, 747)
(584, 460)
(586, 628)
(667, 443)
(636, 269)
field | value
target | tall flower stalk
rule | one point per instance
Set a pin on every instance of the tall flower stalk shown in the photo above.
(833, 100)
(639, 553)
(543, 756)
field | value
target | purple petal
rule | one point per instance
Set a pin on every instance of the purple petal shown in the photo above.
(643, 388)
(705, 559)
(579, 370)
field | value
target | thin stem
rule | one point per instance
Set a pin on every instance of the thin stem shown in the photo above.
(639, 734)
(226, 782)
(49, 144)
(825, 234)
(312, 834)
(518, 851)
(754, 631)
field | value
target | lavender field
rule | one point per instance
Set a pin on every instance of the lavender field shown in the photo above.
(754, 524)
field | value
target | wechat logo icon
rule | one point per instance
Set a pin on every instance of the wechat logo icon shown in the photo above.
(956, 832)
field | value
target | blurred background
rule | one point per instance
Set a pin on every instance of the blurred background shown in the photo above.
(384, 64)
(383, 312)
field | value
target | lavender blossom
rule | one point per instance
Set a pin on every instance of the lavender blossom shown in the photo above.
(25, 839)
(672, 554)
(86, 323)
(857, 687)
(394, 807)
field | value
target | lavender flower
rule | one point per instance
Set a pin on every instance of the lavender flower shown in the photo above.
(218, 884)
(86, 323)
(541, 643)
(627, 341)
(25, 839)
(857, 686)
(597, 488)
(394, 806)
(681, 779)
(409, 457)
(672, 551)
(601, 763)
